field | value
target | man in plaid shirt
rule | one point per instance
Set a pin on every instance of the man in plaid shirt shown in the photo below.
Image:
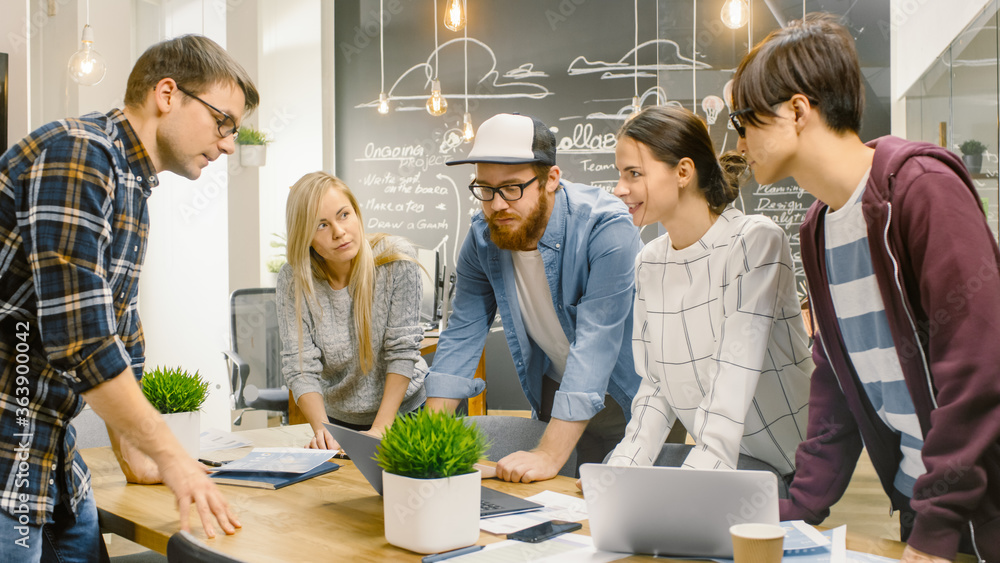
(73, 227)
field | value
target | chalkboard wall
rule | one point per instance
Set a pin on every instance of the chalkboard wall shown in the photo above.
(572, 64)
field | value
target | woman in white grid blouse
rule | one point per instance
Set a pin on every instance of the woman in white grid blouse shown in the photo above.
(718, 339)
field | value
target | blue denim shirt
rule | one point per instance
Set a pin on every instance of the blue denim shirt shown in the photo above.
(588, 249)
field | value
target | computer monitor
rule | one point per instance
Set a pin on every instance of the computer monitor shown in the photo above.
(433, 292)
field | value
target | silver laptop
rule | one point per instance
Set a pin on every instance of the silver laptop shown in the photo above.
(361, 449)
(674, 511)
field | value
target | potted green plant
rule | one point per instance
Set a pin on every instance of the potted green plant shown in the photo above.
(972, 155)
(430, 487)
(178, 396)
(253, 146)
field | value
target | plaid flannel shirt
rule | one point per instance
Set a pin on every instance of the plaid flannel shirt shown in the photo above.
(73, 226)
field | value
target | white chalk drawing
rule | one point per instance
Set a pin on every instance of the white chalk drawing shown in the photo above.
(452, 139)
(585, 140)
(658, 94)
(516, 87)
(712, 105)
(527, 70)
(458, 214)
(625, 69)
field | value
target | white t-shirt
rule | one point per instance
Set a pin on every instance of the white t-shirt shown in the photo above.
(537, 310)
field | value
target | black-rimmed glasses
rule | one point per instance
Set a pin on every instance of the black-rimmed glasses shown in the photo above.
(734, 118)
(227, 125)
(508, 192)
(741, 128)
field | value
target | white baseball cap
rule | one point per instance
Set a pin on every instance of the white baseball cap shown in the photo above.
(510, 138)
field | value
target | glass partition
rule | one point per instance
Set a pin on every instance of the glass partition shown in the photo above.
(955, 105)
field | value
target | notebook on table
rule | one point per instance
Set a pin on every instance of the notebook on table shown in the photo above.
(361, 449)
(674, 511)
(270, 479)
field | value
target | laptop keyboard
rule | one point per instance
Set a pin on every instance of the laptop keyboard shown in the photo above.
(485, 505)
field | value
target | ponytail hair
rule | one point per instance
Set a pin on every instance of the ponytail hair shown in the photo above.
(673, 133)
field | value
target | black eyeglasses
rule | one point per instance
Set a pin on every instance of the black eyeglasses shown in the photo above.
(734, 118)
(741, 128)
(227, 125)
(508, 192)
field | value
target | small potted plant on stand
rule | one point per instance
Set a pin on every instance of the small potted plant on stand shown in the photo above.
(430, 488)
(972, 155)
(253, 146)
(178, 395)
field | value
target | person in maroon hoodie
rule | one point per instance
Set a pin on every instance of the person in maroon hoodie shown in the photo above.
(904, 286)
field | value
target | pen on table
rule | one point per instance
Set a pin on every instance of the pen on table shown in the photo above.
(449, 554)
(211, 463)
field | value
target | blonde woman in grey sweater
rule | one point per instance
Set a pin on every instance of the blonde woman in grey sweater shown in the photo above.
(348, 312)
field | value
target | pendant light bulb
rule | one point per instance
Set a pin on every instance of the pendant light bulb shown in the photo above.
(436, 104)
(383, 103)
(454, 15)
(468, 132)
(86, 66)
(636, 106)
(735, 13)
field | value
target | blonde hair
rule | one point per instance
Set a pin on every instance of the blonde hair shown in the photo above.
(301, 214)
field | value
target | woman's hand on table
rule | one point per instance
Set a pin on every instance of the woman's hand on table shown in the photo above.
(323, 440)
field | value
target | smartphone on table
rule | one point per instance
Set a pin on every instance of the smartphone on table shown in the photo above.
(544, 531)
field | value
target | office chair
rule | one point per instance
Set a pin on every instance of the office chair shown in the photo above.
(510, 434)
(256, 349)
(183, 547)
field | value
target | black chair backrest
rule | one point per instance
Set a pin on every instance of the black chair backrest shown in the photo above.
(183, 547)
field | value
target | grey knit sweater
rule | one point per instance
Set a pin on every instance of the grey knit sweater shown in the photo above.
(330, 362)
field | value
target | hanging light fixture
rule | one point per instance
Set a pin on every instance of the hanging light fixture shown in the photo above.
(455, 15)
(636, 104)
(735, 13)
(468, 133)
(436, 104)
(383, 100)
(86, 66)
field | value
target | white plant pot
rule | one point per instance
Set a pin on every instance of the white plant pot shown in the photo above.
(253, 155)
(186, 426)
(431, 515)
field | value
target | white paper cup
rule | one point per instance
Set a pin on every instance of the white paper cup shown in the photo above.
(757, 543)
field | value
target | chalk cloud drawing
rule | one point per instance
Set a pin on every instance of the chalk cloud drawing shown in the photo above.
(417, 79)
(623, 68)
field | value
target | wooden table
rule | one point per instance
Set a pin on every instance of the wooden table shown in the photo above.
(337, 516)
(477, 404)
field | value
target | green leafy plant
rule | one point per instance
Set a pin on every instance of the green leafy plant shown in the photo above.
(172, 390)
(274, 265)
(278, 260)
(247, 135)
(430, 445)
(972, 147)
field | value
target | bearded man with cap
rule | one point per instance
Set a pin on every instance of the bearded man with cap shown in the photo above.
(557, 261)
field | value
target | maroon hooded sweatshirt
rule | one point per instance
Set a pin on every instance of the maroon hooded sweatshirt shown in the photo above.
(936, 263)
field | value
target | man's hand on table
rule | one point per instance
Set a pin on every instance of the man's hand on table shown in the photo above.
(525, 467)
(190, 484)
(138, 467)
(911, 555)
